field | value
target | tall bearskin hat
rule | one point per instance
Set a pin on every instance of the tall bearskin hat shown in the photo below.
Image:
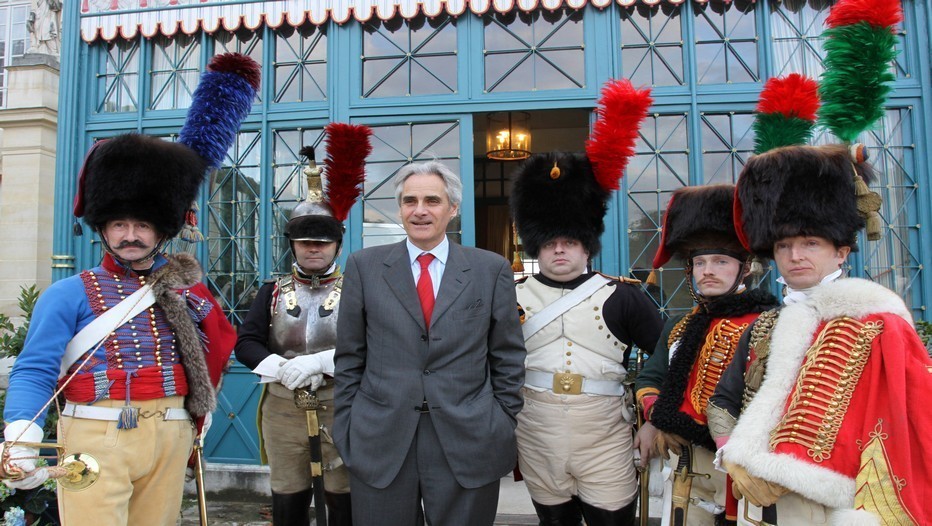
(321, 215)
(151, 179)
(801, 191)
(560, 194)
(699, 218)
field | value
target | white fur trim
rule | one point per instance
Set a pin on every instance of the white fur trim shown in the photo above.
(792, 335)
(853, 518)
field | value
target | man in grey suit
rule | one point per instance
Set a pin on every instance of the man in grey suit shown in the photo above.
(428, 368)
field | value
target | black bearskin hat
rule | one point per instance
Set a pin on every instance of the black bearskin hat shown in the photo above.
(557, 195)
(699, 218)
(799, 191)
(141, 177)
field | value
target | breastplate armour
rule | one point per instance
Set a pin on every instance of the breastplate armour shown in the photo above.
(304, 316)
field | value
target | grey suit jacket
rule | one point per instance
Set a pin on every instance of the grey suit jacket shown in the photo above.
(470, 368)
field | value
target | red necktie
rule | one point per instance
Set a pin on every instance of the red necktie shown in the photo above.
(425, 288)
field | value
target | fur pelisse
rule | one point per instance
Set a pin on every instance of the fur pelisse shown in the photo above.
(798, 190)
(221, 101)
(182, 272)
(141, 177)
(699, 217)
(666, 414)
(347, 148)
(857, 78)
(611, 144)
(572, 205)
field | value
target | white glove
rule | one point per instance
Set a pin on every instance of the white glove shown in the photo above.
(302, 371)
(24, 458)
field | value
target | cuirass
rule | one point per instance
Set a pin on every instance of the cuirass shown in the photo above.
(310, 326)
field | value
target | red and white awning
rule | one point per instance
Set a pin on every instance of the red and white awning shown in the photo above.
(111, 19)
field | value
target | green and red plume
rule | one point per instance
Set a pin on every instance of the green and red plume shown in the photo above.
(859, 48)
(347, 148)
(620, 112)
(786, 112)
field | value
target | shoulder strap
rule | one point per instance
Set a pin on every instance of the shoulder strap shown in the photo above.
(556, 309)
(91, 335)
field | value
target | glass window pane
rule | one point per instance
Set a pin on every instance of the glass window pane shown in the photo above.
(300, 63)
(409, 57)
(175, 71)
(727, 142)
(726, 41)
(652, 45)
(536, 50)
(244, 41)
(118, 83)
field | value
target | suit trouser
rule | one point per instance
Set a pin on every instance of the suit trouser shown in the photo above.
(142, 470)
(426, 477)
(284, 432)
(576, 445)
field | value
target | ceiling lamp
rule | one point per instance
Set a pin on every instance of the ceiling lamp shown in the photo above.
(508, 136)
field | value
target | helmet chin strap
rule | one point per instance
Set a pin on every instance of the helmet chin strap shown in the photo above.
(703, 301)
(129, 263)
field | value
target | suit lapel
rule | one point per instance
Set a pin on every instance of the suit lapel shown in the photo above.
(455, 278)
(400, 279)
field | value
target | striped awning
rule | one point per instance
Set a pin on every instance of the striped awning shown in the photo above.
(111, 19)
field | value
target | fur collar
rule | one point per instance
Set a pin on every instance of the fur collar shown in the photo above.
(170, 283)
(666, 414)
(791, 337)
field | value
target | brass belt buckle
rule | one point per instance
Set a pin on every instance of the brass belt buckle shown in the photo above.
(567, 383)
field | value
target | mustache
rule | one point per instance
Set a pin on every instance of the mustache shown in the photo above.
(127, 244)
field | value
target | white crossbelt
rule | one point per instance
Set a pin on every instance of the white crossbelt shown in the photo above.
(543, 380)
(564, 303)
(112, 414)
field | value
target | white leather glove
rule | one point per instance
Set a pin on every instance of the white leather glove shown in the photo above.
(24, 458)
(302, 371)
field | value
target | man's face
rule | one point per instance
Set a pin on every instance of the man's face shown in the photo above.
(426, 210)
(562, 259)
(314, 257)
(804, 260)
(714, 274)
(131, 239)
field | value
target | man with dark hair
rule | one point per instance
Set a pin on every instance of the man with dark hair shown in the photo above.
(822, 409)
(574, 438)
(289, 336)
(136, 345)
(674, 387)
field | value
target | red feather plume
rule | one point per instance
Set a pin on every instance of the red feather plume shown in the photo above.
(793, 96)
(878, 13)
(611, 143)
(347, 148)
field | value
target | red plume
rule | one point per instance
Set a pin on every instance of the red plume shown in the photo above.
(611, 143)
(792, 96)
(347, 148)
(878, 13)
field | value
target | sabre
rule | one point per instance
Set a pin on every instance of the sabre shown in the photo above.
(682, 486)
(74, 472)
(307, 400)
(199, 479)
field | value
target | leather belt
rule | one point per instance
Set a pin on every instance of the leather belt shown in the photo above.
(112, 414)
(570, 383)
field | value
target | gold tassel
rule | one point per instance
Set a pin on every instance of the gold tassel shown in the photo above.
(860, 187)
(555, 171)
(757, 268)
(653, 279)
(874, 226)
(516, 264)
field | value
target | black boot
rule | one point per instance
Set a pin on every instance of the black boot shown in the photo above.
(339, 509)
(599, 517)
(565, 514)
(291, 509)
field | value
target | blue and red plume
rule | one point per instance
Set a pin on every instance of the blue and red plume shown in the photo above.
(221, 102)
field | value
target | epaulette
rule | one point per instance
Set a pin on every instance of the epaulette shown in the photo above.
(522, 279)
